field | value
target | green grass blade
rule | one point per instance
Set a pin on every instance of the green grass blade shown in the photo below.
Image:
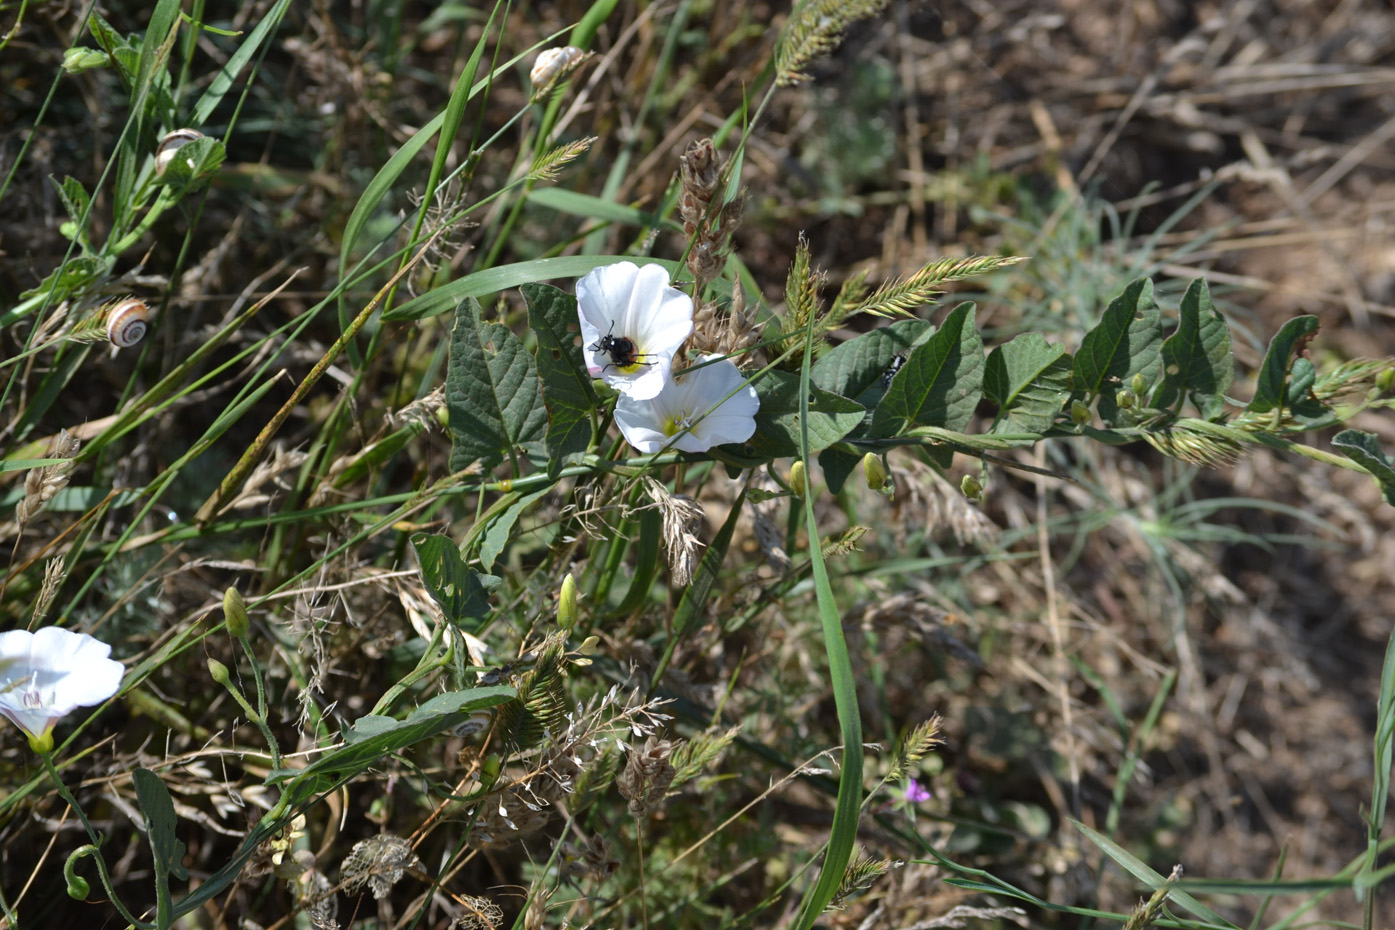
(848, 807)
(1140, 870)
(493, 280)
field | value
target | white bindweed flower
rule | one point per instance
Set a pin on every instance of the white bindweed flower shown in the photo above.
(46, 675)
(632, 322)
(693, 412)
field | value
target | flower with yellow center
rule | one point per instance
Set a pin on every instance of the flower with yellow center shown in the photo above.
(632, 322)
(703, 407)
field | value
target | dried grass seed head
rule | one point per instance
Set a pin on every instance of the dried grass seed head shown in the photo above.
(41, 484)
(647, 775)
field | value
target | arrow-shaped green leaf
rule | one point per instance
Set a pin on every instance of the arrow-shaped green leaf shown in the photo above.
(493, 395)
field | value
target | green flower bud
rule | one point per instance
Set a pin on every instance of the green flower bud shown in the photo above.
(1125, 399)
(1079, 413)
(874, 469)
(566, 603)
(235, 613)
(798, 481)
(78, 59)
(218, 671)
(1385, 380)
(1139, 385)
(78, 886)
(972, 488)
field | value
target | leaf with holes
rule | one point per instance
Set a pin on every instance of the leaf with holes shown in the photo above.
(1274, 370)
(1197, 359)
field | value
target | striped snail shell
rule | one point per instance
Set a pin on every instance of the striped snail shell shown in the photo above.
(171, 143)
(126, 322)
(552, 64)
(473, 724)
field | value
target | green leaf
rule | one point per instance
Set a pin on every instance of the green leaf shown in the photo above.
(167, 850)
(1029, 380)
(193, 163)
(591, 207)
(831, 417)
(1141, 871)
(493, 396)
(492, 280)
(1126, 342)
(71, 276)
(1298, 396)
(449, 581)
(1273, 371)
(1364, 449)
(74, 197)
(567, 390)
(374, 736)
(500, 530)
(941, 382)
(858, 368)
(1197, 359)
(838, 462)
(267, 23)
(158, 812)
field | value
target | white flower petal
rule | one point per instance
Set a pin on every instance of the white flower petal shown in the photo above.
(632, 310)
(48, 674)
(693, 412)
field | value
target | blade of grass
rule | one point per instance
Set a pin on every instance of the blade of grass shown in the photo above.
(848, 807)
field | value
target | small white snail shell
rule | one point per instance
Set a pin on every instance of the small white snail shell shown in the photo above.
(171, 143)
(126, 322)
(552, 64)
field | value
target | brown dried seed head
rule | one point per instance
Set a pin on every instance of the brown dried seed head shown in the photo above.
(647, 775)
(699, 168)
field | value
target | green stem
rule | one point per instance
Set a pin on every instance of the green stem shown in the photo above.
(94, 849)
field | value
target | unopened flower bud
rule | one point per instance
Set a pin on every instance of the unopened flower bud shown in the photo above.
(972, 488)
(566, 603)
(1079, 413)
(1139, 385)
(798, 482)
(1125, 399)
(874, 470)
(78, 59)
(1385, 380)
(218, 671)
(235, 613)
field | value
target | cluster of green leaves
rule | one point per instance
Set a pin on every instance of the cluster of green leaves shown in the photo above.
(911, 383)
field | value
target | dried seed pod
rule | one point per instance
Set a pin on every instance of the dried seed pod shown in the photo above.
(126, 322)
(171, 143)
(552, 65)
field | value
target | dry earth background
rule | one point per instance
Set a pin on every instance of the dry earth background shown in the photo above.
(949, 128)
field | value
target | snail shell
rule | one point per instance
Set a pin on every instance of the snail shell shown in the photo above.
(171, 143)
(552, 64)
(474, 723)
(126, 322)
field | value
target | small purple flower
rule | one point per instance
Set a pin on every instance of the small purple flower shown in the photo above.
(916, 792)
